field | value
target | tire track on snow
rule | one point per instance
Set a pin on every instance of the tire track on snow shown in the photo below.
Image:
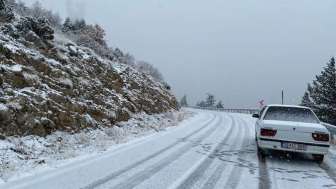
(138, 163)
(141, 176)
(199, 172)
(235, 175)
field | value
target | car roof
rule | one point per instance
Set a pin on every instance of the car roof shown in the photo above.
(287, 106)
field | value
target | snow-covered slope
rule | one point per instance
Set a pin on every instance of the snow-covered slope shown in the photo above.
(48, 84)
(22, 156)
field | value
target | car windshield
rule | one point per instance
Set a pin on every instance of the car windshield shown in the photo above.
(290, 114)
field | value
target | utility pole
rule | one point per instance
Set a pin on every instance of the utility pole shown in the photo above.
(282, 96)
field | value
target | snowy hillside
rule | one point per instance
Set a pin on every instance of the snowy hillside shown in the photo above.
(60, 100)
(48, 84)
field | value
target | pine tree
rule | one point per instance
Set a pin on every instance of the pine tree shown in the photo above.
(306, 100)
(201, 104)
(79, 25)
(184, 101)
(220, 105)
(68, 25)
(118, 54)
(210, 101)
(321, 95)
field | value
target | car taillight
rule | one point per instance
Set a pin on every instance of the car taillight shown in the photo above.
(321, 137)
(268, 132)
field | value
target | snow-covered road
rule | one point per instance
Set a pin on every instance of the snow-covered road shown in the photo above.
(210, 150)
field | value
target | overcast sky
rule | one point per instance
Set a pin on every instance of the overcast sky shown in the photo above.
(239, 50)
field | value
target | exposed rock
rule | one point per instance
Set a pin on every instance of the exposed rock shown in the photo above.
(34, 38)
(38, 129)
(4, 113)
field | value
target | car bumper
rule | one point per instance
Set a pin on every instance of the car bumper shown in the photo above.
(276, 145)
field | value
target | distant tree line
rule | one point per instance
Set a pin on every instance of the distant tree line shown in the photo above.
(92, 36)
(321, 94)
(210, 102)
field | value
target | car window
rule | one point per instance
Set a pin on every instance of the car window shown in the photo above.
(262, 111)
(291, 114)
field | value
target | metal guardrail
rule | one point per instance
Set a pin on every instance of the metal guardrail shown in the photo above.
(230, 110)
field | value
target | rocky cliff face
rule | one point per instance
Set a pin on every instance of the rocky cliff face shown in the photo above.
(48, 83)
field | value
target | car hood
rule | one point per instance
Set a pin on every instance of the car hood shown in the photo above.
(298, 126)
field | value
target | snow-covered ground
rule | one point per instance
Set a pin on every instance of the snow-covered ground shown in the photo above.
(208, 150)
(20, 157)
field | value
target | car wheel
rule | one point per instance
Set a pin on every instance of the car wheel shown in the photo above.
(318, 158)
(261, 152)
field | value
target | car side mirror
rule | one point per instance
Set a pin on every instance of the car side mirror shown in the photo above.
(256, 116)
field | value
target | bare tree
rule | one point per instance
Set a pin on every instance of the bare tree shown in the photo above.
(149, 69)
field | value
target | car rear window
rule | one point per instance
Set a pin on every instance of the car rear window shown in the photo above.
(291, 114)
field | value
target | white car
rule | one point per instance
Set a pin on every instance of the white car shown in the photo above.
(292, 129)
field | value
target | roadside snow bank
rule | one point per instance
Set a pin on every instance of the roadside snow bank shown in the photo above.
(23, 156)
